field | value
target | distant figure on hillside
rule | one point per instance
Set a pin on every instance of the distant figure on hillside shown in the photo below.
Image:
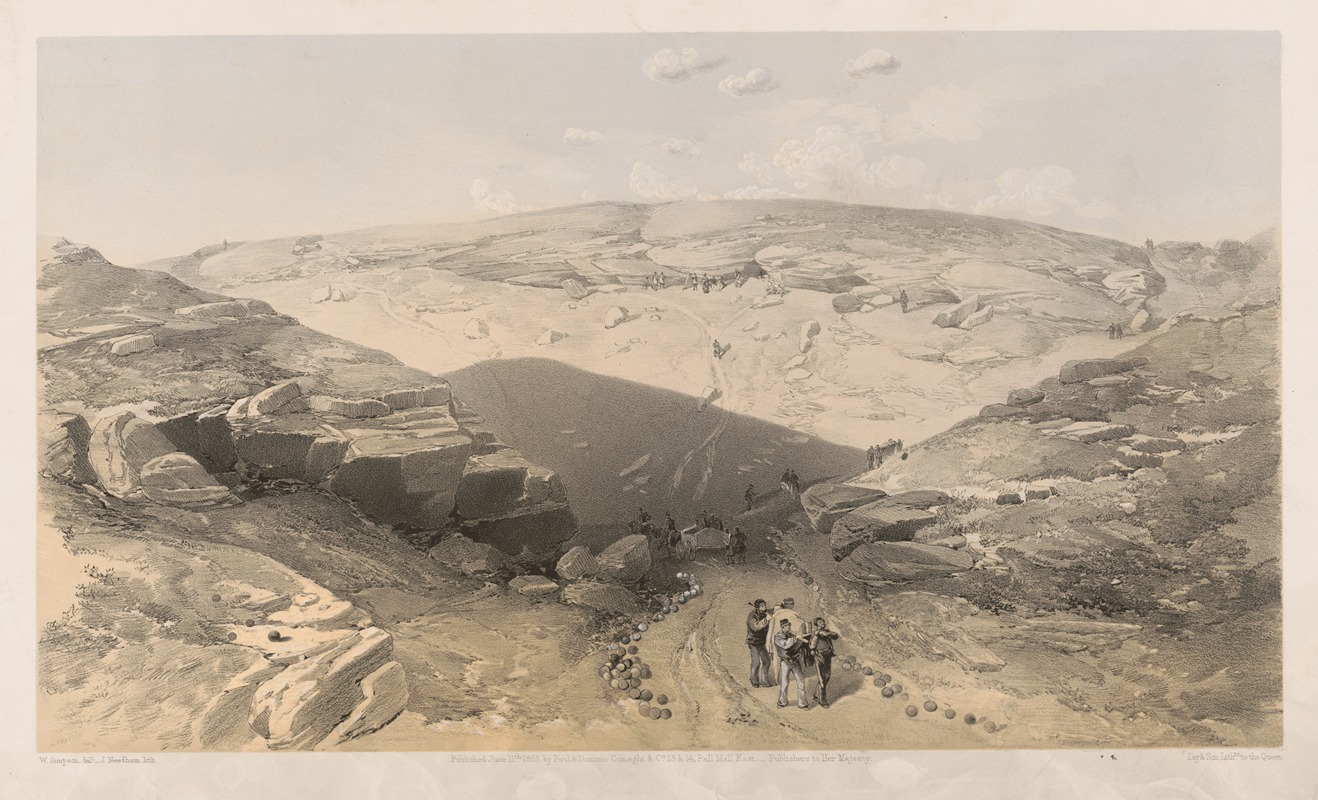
(794, 480)
(663, 280)
(692, 282)
(869, 456)
(750, 496)
(905, 301)
(736, 547)
(670, 523)
(644, 516)
(716, 523)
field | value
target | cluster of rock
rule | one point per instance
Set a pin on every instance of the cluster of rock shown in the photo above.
(853, 516)
(967, 314)
(414, 457)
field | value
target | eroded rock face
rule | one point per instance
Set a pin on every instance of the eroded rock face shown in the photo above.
(204, 435)
(237, 309)
(882, 521)
(505, 483)
(576, 564)
(303, 705)
(62, 448)
(135, 343)
(177, 479)
(883, 563)
(937, 626)
(294, 446)
(626, 560)
(119, 447)
(825, 503)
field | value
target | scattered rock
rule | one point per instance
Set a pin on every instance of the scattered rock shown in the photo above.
(475, 559)
(1088, 369)
(575, 289)
(577, 564)
(881, 521)
(1154, 444)
(922, 352)
(1024, 397)
(1137, 459)
(476, 328)
(957, 314)
(880, 563)
(809, 330)
(236, 309)
(1090, 432)
(978, 318)
(606, 597)
(1039, 491)
(847, 303)
(1009, 499)
(135, 343)
(768, 302)
(384, 696)
(998, 411)
(1140, 321)
(795, 361)
(971, 355)
(626, 560)
(550, 337)
(615, 316)
(533, 585)
(825, 503)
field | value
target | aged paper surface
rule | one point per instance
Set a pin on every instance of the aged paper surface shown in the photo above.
(1230, 745)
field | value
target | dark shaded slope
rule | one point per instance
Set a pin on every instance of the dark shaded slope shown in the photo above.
(591, 429)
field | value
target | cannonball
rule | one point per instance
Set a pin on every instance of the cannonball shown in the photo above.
(624, 684)
(215, 598)
(627, 663)
(636, 672)
(644, 708)
(636, 637)
(897, 687)
(970, 719)
(645, 673)
(666, 713)
(990, 726)
(886, 678)
(633, 650)
(681, 575)
(655, 713)
(878, 682)
(232, 636)
(624, 639)
(906, 696)
(249, 623)
(275, 636)
(615, 683)
(682, 599)
(634, 694)
(950, 714)
(642, 627)
(887, 691)
(912, 711)
(662, 699)
(658, 617)
(867, 670)
(930, 706)
(647, 695)
(809, 580)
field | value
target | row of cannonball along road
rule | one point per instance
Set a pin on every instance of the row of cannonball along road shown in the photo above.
(626, 672)
(890, 690)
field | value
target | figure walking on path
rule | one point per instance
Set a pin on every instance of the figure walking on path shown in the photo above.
(750, 497)
(821, 645)
(791, 650)
(757, 638)
(905, 301)
(736, 547)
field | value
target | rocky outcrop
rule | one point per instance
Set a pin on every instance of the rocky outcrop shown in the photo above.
(626, 560)
(297, 446)
(514, 505)
(1089, 432)
(606, 597)
(352, 409)
(475, 559)
(577, 564)
(1087, 369)
(119, 447)
(533, 585)
(882, 521)
(825, 503)
(937, 626)
(882, 563)
(1024, 397)
(235, 309)
(384, 695)
(204, 435)
(306, 704)
(177, 479)
(62, 444)
(134, 343)
(978, 318)
(957, 314)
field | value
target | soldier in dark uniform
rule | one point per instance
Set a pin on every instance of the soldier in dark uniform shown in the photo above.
(757, 638)
(821, 645)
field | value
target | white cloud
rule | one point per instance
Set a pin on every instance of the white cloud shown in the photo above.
(647, 181)
(578, 137)
(487, 199)
(757, 81)
(757, 167)
(834, 161)
(681, 148)
(757, 193)
(949, 112)
(893, 172)
(672, 67)
(1038, 192)
(873, 62)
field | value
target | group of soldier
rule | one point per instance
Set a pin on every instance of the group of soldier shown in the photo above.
(797, 646)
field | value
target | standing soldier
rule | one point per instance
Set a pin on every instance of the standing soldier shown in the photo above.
(750, 496)
(736, 547)
(905, 301)
(790, 649)
(757, 638)
(821, 644)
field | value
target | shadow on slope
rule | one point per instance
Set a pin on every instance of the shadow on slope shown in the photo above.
(619, 445)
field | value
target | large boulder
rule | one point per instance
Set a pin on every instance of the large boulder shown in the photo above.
(120, 445)
(615, 316)
(476, 328)
(353, 409)
(882, 521)
(575, 289)
(533, 585)
(519, 507)
(237, 309)
(918, 498)
(288, 446)
(134, 343)
(550, 337)
(881, 563)
(402, 399)
(1024, 397)
(626, 560)
(825, 503)
(306, 702)
(607, 597)
(847, 303)
(62, 448)
(384, 696)
(577, 563)
(204, 435)
(978, 318)
(957, 314)
(176, 479)
(470, 558)
(1087, 369)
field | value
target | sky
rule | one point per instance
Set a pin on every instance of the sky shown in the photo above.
(152, 147)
